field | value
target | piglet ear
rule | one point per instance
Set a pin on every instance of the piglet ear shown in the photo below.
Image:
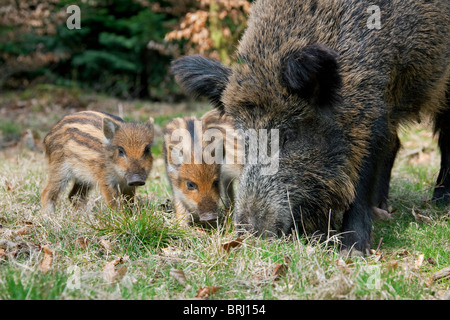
(175, 159)
(203, 77)
(313, 74)
(109, 128)
(150, 123)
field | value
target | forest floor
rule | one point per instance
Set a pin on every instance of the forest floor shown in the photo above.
(100, 253)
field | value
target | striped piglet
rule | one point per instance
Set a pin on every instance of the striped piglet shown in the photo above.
(96, 148)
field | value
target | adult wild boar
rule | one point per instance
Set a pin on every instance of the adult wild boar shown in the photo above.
(337, 91)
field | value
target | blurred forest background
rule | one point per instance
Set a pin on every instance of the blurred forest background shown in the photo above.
(118, 59)
(123, 48)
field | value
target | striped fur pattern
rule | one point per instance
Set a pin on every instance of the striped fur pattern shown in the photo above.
(199, 189)
(95, 148)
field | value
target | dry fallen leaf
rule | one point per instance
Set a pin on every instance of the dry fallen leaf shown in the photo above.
(109, 271)
(341, 263)
(418, 263)
(82, 242)
(425, 219)
(105, 244)
(281, 268)
(48, 259)
(392, 265)
(170, 251)
(178, 275)
(120, 273)
(110, 274)
(22, 231)
(206, 292)
(232, 244)
(377, 257)
(279, 271)
(9, 186)
(421, 218)
(403, 253)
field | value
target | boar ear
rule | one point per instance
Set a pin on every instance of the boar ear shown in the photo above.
(200, 76)
(109, 128)
(313, 74)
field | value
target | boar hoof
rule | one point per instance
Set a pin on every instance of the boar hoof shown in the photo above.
(441, 196)
(381, 214)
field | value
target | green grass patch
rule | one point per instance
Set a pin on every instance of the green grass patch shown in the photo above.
(31, 285)
(141, 226)
(10, 130)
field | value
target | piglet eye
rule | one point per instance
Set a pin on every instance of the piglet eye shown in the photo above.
(147, 150)
(121, 152)
(191, 185)
(215, 184)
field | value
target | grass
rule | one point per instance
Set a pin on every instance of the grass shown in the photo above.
(148, 244)
(143, 226)
(9, 131)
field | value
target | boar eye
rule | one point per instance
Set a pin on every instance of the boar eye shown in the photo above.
(121, 152)
(191, 185)
(147, 150)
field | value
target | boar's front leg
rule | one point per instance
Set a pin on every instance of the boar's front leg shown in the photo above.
(384, 177)
(110, 194)
(357, 222)
(441, 194)
(181, 214)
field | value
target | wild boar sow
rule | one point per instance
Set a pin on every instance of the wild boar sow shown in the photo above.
(337, 90)
(96, 148)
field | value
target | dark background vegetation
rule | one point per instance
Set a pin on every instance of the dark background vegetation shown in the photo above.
(123, 48)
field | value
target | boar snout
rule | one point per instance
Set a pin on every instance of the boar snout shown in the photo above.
(136, 180)
(262, 207)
